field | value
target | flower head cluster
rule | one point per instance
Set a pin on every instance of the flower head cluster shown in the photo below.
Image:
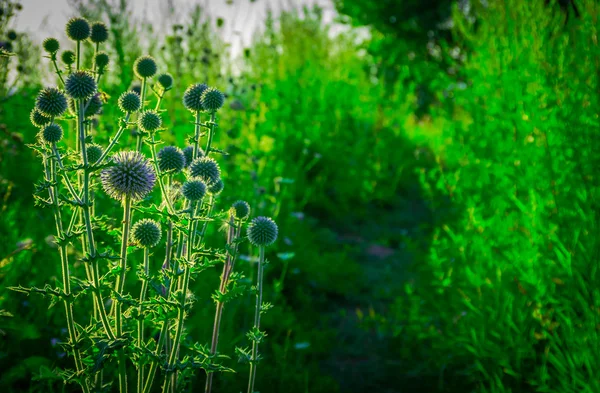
(130, 101)
(80, 85)
(149, 121)
(146, 233)
(192, 98)
(145, 67)
(99, 33)
(207, 169)
(51, 102)
(130, 176)
(170, 158)
(78, 29)
(262, 231)
(240, 210)
(193, 190)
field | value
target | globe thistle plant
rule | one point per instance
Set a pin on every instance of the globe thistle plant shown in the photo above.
(77, 168)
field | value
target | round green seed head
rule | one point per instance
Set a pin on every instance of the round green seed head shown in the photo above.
(262, 231)
(11, 35)
(170, 158)
(192, 98)
(188, 153)
(146, 233)
(78, 29)
(51, 45)
(38, 119)
(149, 121)
(99, 33)
(101, 60)
(216, 187)
(52, 133)
(165, 81)
(51, 102)
(80, 85)
(240, 210)
(68, 57)
(145, 67)
(94, 152)
(193, 190)
(206, 169)
(212, 99)
(130, 101)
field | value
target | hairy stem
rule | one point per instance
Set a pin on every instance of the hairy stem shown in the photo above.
(257, 312)
(138, 144)
(114, 140)
(140, 337)
(119, 287)
(211, 130)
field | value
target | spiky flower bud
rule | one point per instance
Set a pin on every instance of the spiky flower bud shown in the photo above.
(94, 105)
(206, 169)
(216, 187)
(188, 153)
(149, 121)
(146, 233)
(52, 133)
(101, 60)
(38, 119)
(94, 152)
(11, 35)
(51, 102)
(212, 99)
(80, 85)
(193, 190)
(192, 98)
(51, 45)
(130, 176)
(99, 33)
(145, 67)
(170, 158)
(130, 101)
(78, 29)
(68, 57)
(165, 81)
(240, 210)
(262, 231)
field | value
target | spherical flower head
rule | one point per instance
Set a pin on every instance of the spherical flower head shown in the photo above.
(149, 121)
(146, 233)
(101, 60)
(94, 152)
(192, 98)
(99, 33)
(216, 187)
(80, 85)
(68, 57)
(262, 231)
(130, 101)
(51, 45)
(240, 210)
(170, 158)
(11, 35)
(165, 81)
(193, 190)
(145, 67)
(212, 99)
(94, 106)
(38, 119)
(52, 133)
(130, 176)
(206, 169)
(51, 102)
(78, 29)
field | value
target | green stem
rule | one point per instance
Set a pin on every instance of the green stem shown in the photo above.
(181, 311)
(138, 144)
(114, 141)
(141, 317)
(152, 373)
(78, 54)
(158, 174)
(120, 286)
(257, 312)
(66, 278)
(58, 71)
(196, 134)
(211, 131)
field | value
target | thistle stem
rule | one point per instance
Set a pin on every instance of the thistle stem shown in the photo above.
(58, 71)
(78, 54)
(257, 312)
(158, 175)
(120, 285)
(140, 337)
(138, 144)
(196, 134)
(114, 141)
(66, 278)
(227, 267)
(211, 131)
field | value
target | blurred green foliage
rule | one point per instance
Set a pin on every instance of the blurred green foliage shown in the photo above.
(437, 198)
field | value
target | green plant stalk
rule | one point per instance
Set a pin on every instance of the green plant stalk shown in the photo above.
(58, 71)
(227, 268)
(181, 311)
(140, 337)
(114, 140)
(88, 224)
(158, 174)
(257, 312)
(211, 204)
(66, 277)
(119, 287)
(78, 54)
(211, 130)
(197, 125)
(164, 333)
(138, 143)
